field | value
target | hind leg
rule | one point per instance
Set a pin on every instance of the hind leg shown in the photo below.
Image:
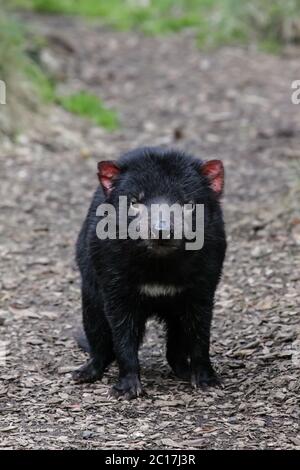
(99, 337)
(177, 348)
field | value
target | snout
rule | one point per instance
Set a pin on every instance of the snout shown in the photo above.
(159, 223)
(161, 241)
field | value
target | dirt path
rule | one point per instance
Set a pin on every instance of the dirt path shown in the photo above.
(231, 105)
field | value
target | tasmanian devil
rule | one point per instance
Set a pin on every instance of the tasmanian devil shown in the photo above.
(126, 278)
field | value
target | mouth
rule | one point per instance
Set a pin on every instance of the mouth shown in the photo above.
(162, 247)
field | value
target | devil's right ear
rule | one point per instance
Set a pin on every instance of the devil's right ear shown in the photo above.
(108, 170)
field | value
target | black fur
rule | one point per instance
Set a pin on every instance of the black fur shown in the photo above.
(82, 340)
(112, 271)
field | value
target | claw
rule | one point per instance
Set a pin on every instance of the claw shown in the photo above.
(127, 388)
(204, 378)
(88, 373)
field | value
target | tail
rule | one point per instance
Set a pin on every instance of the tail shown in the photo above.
(82, 340)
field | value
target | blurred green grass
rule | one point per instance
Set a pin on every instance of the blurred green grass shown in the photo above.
(270, 23)
(28, 86)
(13, 63)
(89, 106)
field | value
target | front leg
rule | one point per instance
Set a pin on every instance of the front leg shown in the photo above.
(127, 326)
(178, 347)
(199, 316)
(98, 337)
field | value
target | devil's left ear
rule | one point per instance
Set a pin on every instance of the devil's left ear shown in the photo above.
(107, 172)
(214, 172)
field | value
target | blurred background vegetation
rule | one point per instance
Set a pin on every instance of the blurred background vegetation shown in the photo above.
(273, 22)
(269, 24)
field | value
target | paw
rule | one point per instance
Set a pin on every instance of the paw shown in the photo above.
(182, 370)
(205, 377)
(127, 388)
(87, 373)
(179, 365)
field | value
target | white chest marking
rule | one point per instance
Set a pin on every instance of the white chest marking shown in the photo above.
(157, 290)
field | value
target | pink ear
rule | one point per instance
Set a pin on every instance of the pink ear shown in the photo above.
(214, 171)
(107, 171)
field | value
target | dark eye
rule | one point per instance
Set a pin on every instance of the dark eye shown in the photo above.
(134, 203)
(135, 206)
